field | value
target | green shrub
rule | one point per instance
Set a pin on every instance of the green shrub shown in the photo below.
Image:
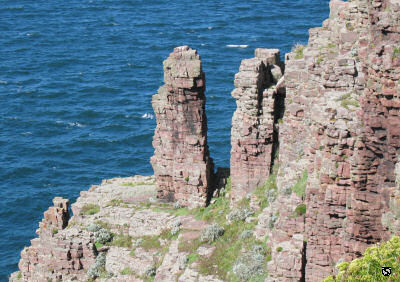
(98, 268)
(89, 209)
(300, 209)
(54, 231)
(300, 187)
(369, 266)
(279, 249)
(211, 233)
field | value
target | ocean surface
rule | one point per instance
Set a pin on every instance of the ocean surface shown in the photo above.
(76, 79)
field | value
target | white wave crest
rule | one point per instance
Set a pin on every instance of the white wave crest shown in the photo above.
(236, 46)
(77, 124)
(147, 116)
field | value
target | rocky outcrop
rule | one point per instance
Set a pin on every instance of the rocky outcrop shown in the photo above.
(252, 136)
(181, 161)
(58, 252)
(141, 244)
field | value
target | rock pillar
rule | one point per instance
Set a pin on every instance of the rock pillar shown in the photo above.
(253, 121)
(181, 161)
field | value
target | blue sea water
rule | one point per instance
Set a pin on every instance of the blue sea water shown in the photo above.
(76, 79)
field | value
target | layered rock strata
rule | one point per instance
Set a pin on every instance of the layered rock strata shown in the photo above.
(252, 135)
(58, 252)
(339, 142)
(181, 161)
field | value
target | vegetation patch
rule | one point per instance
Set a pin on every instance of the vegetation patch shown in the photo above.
(150, 242)
(346, 100)
(267, 192)
(122, 240)
(127, 271)
(133, 184)
(369, 266)
(89, 209)
(192, 258)
(115, 203)
(228, 249)
(189, 246)
(300, 187)
(396, 52)
(298, 50)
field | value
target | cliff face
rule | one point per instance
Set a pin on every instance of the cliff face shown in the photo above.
(181, 161)
(339, 137)
(315, 159)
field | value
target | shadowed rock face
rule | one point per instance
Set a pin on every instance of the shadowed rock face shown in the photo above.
(253, 137)
(181, 161)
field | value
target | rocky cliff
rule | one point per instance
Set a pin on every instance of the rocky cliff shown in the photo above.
(314, 176)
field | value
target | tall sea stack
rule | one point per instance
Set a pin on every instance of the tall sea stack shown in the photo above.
(181, 162)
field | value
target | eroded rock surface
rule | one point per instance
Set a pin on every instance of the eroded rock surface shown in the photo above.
(181, 161)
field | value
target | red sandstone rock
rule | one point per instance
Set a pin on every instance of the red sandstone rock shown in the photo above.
(181, 162)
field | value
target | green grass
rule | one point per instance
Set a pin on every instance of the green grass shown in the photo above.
(270, 184)
(89, 209)
(150, 242)
(127, 271)
(368, 267)
(298, 50)
(346, 103)
(300, 187)
(346, 100)
(177, 212)
(189, 246)
(122, 240)
(115, 203)
(192, 258)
